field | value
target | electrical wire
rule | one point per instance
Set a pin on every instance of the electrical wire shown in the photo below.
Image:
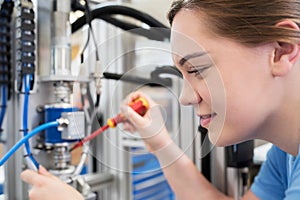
(89, 21)
(84, 48)
(90, 31)
(97, 101)
(26, 138)
(27, 79)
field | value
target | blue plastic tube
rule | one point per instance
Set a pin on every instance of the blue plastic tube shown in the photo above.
(3, 105)
(26, 83)
(25, 139)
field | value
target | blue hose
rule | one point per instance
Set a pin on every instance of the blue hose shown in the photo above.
(3, 105)
(25, 139)
(25, 118)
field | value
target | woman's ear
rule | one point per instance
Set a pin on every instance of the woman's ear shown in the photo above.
(285, 54)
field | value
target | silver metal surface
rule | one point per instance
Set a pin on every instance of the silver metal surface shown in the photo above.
(63, 174)
(218, 169)
(91, 196)
(62, 157)
(236, 187)
(99, 181)
(57, 78)
(44, 36)
(13, 187)
(76, 126)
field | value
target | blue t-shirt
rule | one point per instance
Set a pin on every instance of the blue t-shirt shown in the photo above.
(279, 177)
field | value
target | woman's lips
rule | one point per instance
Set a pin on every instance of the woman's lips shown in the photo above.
(206, 119)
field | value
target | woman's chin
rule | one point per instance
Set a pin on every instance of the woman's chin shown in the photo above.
(220, 140)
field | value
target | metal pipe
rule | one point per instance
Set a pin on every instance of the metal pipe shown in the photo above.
(98, 181)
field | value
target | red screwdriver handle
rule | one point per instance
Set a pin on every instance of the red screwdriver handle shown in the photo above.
(139, 105)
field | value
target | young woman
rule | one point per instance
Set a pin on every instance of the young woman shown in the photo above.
(240, 63)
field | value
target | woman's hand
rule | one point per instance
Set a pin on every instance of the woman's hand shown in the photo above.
(151, 126)
(48, 187)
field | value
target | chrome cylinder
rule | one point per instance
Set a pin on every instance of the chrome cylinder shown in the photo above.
(62, 157)
(61, 39)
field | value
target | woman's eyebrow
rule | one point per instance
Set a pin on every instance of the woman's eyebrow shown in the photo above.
(190, 56)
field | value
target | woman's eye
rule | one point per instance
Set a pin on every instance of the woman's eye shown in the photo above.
(197, 71)
(194, 71)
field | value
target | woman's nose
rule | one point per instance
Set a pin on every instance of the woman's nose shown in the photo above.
(188, 95)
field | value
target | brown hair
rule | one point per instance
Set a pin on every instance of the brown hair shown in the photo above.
(251, 22)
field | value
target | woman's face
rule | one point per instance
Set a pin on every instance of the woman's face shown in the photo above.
(229, 85)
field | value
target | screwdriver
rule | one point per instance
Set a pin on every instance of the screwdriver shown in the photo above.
(139, 105)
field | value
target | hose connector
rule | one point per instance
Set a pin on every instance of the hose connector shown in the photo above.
(63, 123)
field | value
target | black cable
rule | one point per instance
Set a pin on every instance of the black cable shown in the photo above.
(155, 79)
(130, 79)
(89, 21)
(151, 33)
(205, 157)
(84, 48)
(118, 10)
(91, 31)
(97, 101)
(105, 12)
(116, 22)
(158, 34)
(165, 70)
(76, 5)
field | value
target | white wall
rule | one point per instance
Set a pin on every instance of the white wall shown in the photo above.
(156, 8)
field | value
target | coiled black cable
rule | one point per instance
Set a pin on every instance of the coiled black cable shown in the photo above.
(105, 13)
